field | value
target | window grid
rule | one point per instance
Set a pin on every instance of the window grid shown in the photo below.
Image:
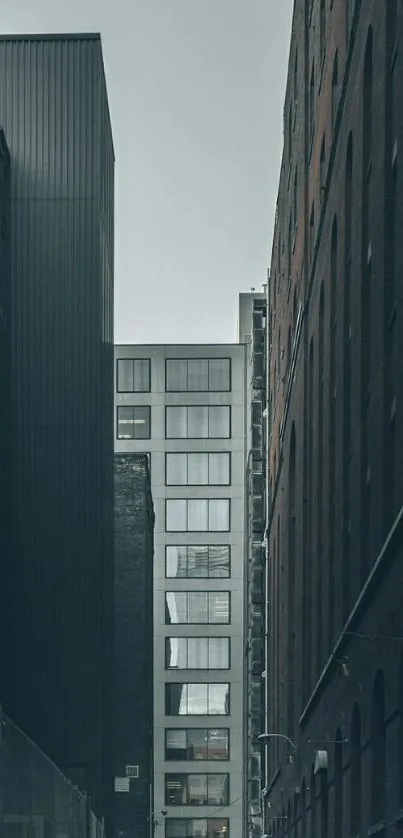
(213, 421)
(188, 607)
(196, 827)
(199, 561)
(197, 514)
(197, 744)
(197, 375)
(133, 375)
(197, 699)
(133, 422)
(204, 653)
(196, 789)
(195, 465)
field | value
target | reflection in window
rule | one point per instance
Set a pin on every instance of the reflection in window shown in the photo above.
(196, 789)
(198, 515)
(133, 375)
(198, 375)
(199, 561)
(133, 422)
(192, 744)
(198, 469)
(197, 652)
(197, 699)
(196, 828)
(197, 607)
(198, 422)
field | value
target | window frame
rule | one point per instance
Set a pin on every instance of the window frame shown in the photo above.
(209, 390)
(190, 833)
(192, 623)
(186, 500)
(207, 454)
(198, 683)
(207, 731)
(208, 668)
(133, 407)
(187, 775)
(118, 390)
(209, 547)
(208, 406)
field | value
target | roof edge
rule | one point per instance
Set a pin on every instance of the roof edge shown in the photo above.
(56, 36)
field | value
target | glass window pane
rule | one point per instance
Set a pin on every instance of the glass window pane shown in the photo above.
(198, 653)
(125, 422)
(176, 653)
(197, 828)
(125, 375)
(141, 420)
(219, 469)
(175, 744)
(218, 787)
(219, 607)
(176, 373)
(198, 561)
(198, 422)
(176, 469)
(197, 515)
(197, 699)
(218, 700)
(219, 515)
(176, 423)
(198, 607)
(176, 562)
(218, 743)
(218, 828)
(141, 375)
(219, 374)
(176, 699)
(219, 561)
(197, 469)
(197, 790)
(176, 607)
(175, 790)
(176, 828)
(197, 744)
(197, 374)
(219, 422)
(218, 653)
(176, 515)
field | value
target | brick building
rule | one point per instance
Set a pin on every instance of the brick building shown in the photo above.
(335, 547)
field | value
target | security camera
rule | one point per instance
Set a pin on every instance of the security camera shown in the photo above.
(164, 812)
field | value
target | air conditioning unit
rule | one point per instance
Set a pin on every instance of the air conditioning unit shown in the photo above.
(133, 771)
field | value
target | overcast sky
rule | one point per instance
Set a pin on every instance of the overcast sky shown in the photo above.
(196, 91)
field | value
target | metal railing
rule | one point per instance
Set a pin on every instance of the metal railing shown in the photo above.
(36, 799)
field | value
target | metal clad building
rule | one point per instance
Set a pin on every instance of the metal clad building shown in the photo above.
(54, 110)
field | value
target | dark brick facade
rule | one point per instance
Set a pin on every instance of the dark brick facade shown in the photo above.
(335, 566)
(134, 525)
(4, 397)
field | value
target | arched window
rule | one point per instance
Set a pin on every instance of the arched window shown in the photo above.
(291, 579)
(335, 89)
(303, 809)
(348, 220)
(356, 773)
(332, 425)
(338, 785)
(320, 476)
(324, 804)
(378, 742)
(313, 804)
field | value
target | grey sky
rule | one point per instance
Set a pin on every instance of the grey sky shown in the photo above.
(196, 91)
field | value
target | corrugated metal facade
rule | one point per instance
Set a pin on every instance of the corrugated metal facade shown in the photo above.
(54, 110)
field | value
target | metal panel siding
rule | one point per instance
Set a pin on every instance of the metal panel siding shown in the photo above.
(53, 107)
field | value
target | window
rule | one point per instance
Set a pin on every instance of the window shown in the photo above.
(322, 30)
(197, 469)
(355, 773)
(296, 77)
(203, 607)
(197, 699)
(197, 653)
(133, 375)
(198, 375)
(199, 561)
(349, 16)
(289, 134)
(196, 828)
(133, 422)
(335, 89)
(295, 200)
(196, 789)
(378, 742)
(197, 515)
(198, 422)
(192, 744)
(312, 105)
(322, 172)
(311, 234)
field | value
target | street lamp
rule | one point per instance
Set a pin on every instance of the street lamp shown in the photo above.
(264, 738)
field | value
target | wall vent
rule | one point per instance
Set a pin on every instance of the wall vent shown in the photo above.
(133, 771)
